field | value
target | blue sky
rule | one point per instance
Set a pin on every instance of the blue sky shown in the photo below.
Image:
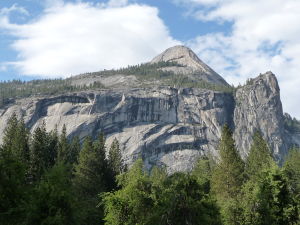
(238, 39)
(175, 16)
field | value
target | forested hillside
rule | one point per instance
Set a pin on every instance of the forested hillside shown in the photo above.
(48, 179)
(145, 73)
(9, 90)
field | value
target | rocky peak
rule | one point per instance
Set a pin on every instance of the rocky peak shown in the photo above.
(191, 64)
(258, 108)
(267, 80)
(182, 55)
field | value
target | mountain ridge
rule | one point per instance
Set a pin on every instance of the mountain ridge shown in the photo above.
(164, 124)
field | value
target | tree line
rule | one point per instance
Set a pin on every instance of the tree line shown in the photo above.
(10, 90)
(48, 179)
(155, 71)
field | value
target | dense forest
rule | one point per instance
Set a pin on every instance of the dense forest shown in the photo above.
(45, 178)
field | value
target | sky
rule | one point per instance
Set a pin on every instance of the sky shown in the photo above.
(239, 39)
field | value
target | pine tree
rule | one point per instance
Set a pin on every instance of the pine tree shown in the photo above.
(259, 157)
(63, 146)
(74, 150)
(53, 201)
(9, 133)
(13, 189)
(292, 170)
(51, 148)
(91, 178)
(22, 141)
(203, 172)
(15, 139)
(115, 158)
(13, 168)
(41, 155)
(269, 200)
(228, 177)
(158, 199)
(132, 204)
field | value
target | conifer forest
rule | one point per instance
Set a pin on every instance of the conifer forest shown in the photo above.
(47, 178)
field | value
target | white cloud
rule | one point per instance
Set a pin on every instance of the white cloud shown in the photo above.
(81, 37)
(265, 35)
(197, 2)
(3, 68)
(117, 3)
(6, 11)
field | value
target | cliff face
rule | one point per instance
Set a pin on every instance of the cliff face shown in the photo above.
(165, 125)
(258, 107)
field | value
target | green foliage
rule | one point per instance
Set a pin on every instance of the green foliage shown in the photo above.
(10, 90)
(267, 197)
(185, 82)
(259, 157)
(91, 178)
(63, 146)
(66, 180)
(146, 70)
(42, 152)
(15, 139)
(158, 199)
(154, 71)
(53, 201)
(132, 204)
(203, 172)
(14, 157)
(291, 124)
(268, 200)
(227, 178)
(249, 81)
(183, 201)
(73, 154)
(13, 189)
(228, 175)
(115, 158)
(292, 170)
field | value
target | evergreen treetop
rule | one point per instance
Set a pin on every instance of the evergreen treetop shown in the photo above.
(259, 157)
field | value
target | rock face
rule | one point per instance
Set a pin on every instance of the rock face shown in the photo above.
(164, 125)
(192, 65)
(258, 107)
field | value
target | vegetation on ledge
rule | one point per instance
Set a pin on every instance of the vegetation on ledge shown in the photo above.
(145, 73)
(291, 124)
(22, 89)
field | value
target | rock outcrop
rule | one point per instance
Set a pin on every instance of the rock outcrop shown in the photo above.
(192, 66)
(258, 108)
(164, 125)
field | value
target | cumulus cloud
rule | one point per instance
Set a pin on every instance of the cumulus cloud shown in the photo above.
(73, 38)
(265, 35)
